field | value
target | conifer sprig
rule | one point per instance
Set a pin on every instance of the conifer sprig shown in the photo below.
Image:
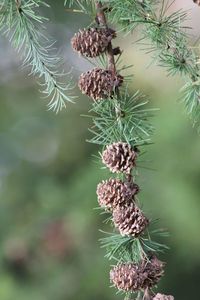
(125, 248)
(164, 35)
(21, 22)
(120, 125)
(131, 125)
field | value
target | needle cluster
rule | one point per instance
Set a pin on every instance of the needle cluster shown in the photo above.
(24, 26)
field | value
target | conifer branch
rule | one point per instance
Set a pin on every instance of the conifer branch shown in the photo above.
(24, 27)
(166, 38)
(121, 125)
(121, 121)
(169, 41)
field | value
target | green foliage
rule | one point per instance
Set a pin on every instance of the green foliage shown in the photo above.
(179, 59)
(128, 14)
(164, 35)
(122, 248)
(124, 118)
(84, 6)
(127, 248)
(21, 22)
(191, 91)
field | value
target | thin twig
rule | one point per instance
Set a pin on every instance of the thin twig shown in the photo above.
(102, 21)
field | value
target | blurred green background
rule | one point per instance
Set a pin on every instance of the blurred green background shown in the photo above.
(49, 229)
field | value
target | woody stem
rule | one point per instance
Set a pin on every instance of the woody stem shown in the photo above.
(101, 17)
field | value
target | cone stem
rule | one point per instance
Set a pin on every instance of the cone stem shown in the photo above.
(101, 17)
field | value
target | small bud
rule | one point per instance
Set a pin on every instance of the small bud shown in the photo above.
(117, 51)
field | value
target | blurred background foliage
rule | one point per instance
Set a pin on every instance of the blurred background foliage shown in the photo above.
(49, 229)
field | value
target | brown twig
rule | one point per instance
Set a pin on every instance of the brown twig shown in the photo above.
(101, 17)
(18, 3)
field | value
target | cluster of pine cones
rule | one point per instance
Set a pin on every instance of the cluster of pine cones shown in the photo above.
(116, 195)
(97, 83)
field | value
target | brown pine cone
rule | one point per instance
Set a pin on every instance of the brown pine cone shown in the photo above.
(134, 277)
(127, 277)
(163, 297)
(129, 220)
(93, 41)
(197, 2)
(114, 192)
(155, 270)
(119, 157)
(99, 83)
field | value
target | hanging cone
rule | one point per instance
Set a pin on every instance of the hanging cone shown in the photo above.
(114, 192)
(93, 41)
(163, 297)
(155, 270)
(99, 83)
(127, 277)
(129, 220)
(119, 157)
(135, 277)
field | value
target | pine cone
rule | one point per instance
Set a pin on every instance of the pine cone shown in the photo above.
(129, 220)
(99, 83)
(134, 277)
(119, 157)
(127, 277)
(114, 192)
(197, 2)
(163, 297)
(93, 41)
(155, 270)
